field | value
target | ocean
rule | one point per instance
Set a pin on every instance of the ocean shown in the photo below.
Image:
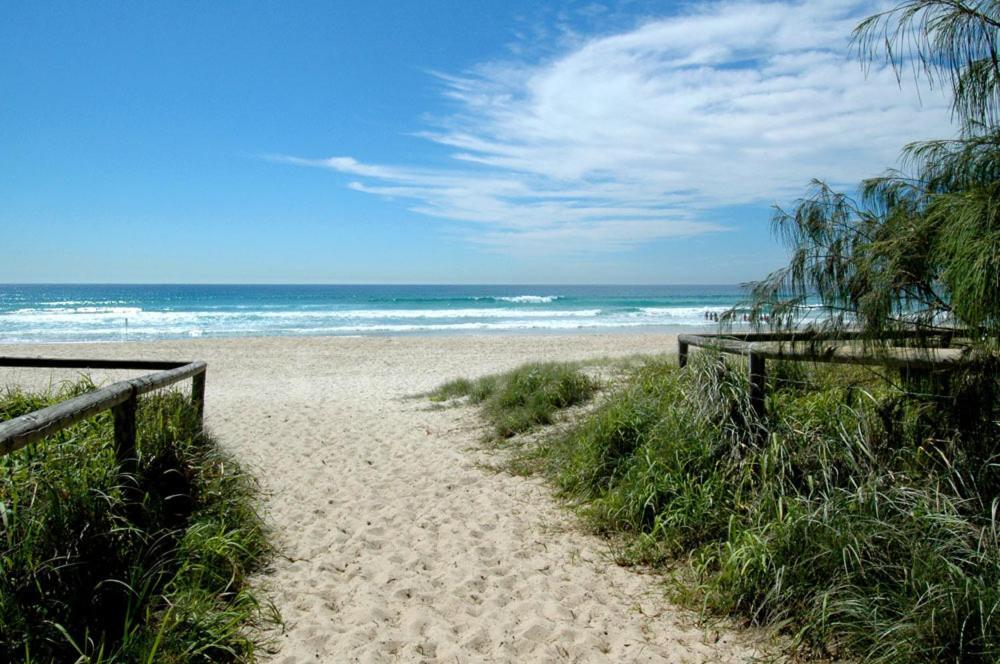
(94, 312)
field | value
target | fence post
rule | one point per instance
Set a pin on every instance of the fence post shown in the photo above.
(198, 394)
(682, 353)
(125, 452)
(758, 378)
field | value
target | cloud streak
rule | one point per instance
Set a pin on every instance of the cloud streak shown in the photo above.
(634, 137)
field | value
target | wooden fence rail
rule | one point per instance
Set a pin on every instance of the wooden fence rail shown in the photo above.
(121, 398)
(810, 347)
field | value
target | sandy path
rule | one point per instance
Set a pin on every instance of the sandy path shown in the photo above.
(396, 546)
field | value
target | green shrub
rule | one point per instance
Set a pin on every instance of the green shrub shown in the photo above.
(864, 522)
(94, 570)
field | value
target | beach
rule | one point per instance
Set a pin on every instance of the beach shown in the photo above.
(395, 543)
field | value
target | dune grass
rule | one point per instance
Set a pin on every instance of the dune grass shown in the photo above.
(88, 576)
(864, 525)
(526, 397)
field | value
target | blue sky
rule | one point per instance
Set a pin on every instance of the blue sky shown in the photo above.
(429, 142)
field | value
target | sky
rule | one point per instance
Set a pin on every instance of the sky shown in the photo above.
(430, 142)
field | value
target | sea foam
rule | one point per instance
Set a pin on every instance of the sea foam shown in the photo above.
(115, 313)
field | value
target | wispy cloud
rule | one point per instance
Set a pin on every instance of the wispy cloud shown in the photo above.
(633, 137)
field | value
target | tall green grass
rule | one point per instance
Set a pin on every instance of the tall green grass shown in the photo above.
(864, 523)
(98, 567)
(526, 397)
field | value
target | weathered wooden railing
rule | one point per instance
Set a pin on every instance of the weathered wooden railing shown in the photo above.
(812, 347)
(121, 398)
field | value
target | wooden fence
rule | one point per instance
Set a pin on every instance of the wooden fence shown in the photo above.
(121, 398)
(811, 347)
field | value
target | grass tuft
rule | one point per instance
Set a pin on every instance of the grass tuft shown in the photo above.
(86, 575)
(527, 397)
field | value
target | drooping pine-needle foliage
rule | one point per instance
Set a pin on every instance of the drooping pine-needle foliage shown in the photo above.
(920, 249)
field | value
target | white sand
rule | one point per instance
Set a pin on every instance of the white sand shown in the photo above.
(395, 545)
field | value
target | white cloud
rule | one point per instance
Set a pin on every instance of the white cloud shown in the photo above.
(637, 136)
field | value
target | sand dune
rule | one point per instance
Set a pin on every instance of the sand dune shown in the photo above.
(396, 545)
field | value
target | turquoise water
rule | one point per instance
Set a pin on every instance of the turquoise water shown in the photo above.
(92, 312)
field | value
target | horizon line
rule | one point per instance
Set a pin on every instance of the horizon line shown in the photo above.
(353, 283)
